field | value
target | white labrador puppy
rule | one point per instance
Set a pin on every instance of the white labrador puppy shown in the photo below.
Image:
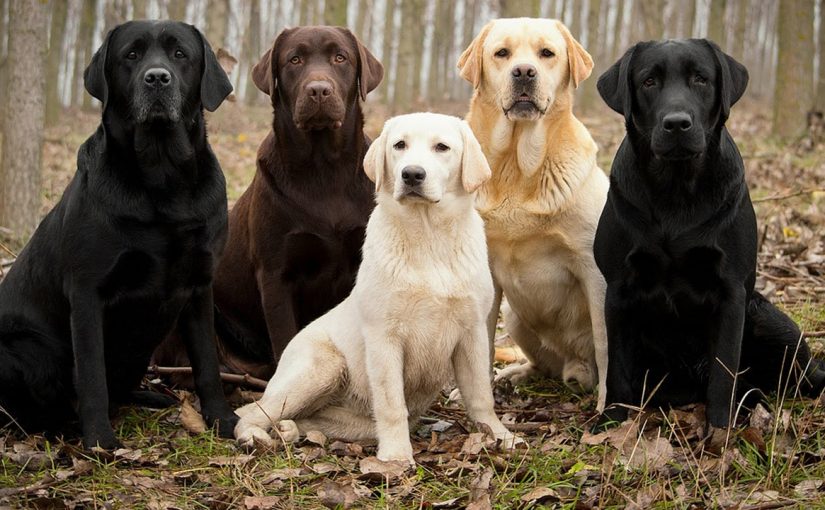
(416, 316)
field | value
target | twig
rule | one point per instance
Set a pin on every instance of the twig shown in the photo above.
(788, 195)
(245, 379)
(814, 334)
(7, 250)
(27, 489)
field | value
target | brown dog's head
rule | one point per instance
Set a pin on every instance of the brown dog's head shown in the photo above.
(317, 72)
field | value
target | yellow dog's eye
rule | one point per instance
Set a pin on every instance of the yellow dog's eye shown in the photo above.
(340, 58)
(295, 60)
(400, 145)
(547, 53)
(440, 147)
(503, 53)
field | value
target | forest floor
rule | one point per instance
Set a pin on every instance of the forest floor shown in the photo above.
(772, 458)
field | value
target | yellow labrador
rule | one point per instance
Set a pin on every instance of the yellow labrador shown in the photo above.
(416, 317)
(542, 204)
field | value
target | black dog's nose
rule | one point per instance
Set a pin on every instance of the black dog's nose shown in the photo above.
(677, 121)
(413, 175)
(319, 90)
(157, 77)
(524, 72)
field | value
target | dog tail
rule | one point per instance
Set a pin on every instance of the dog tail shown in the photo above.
(776, 353)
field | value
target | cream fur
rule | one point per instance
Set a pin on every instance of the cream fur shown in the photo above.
(542, 204)
(416, 316)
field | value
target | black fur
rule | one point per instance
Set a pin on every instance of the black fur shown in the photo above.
(129, 251)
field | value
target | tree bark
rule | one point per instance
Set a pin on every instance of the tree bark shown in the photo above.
(651, 12)
(520, 8)
(217, 15)
(84, 50)
(819, 98)
(716, 22)
(404, 88)
(26, 108)
(589, 95)
(737, 39)
(793, 94)
(335, 13)
(387, 58)
(3, 54)
(60, 12)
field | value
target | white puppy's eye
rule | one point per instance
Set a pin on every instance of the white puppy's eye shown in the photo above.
(503, 53)
(547, 53)
(400, 145)
(440, 147)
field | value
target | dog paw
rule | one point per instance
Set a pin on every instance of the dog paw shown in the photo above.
(511, 441)
(104, 440)
(517, 374)
(396, 453)
(288, 431)
(226, 422)
(455, 396)
(247, 435)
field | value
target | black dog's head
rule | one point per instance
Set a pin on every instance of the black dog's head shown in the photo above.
(317, 72)
(156, 72)
(676, 94)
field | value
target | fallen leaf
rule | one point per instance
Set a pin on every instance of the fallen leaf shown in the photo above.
(377, 470)
(808, 488)
(235, 460)
(649, 454)
(761, 419)
(316, 437)
(476, 442)
(617, 437)
(333, 495)
(260, 502)
(190, 419)
(480, 491)
(540, 495)
(342, 449)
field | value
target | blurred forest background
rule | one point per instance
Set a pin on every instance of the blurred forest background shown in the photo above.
(46, 44)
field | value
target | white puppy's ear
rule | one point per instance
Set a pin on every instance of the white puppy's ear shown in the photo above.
(475, 170)
(375, 159)
(579, 61)
(470, 62)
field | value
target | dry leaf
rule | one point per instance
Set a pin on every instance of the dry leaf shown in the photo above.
(480, 491)
(190, 419)
(260, 502)
(540, 495)
(333, 495)
(235, 460)
(374, 469)
(316, 437)
(808, 488)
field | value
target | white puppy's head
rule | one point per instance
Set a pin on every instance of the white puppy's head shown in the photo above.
(421, 157)
(524, 64)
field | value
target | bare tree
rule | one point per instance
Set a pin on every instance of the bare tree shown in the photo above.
(25, 112)
(716, 22)
(59, 17)
(819, 97)
(651, 13)
(793, 95)
(518, 8)
(335, 13)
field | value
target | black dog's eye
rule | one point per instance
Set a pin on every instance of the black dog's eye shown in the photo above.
(132, 55)
(547, 53)
(340, 58)
(400, 145)
(295, 60)
(649, 83)
(179, 54)
(503, 53)
(699, 79)
(440, 147)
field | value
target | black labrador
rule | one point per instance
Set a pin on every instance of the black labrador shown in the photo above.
(677, 243)
(130, 250)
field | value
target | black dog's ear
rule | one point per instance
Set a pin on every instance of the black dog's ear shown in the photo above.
(94, 77)
(215, 84)
(733, 78)
(614, 85)
(370, 70)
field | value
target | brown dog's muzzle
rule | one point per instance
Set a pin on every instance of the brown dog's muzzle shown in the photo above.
(319, 105)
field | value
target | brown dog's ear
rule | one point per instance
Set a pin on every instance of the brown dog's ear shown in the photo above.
(475, 170)
(375, 158)
(470, 62)
(370, 70)
(262, 73)
(579, 61)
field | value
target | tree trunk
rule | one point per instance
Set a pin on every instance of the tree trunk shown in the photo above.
(140, 9)
(737, 42)
(251, 51)
(589, 95)
(84, 50)
(387, 58)
(3, 54)
(362, 20)
(59, 15)
(716, 22)
(217, 15)
(403, 90)
(651, 12)
(335, 13)
(793, 95)
(819, 102)
(519, 8)
(26, 108)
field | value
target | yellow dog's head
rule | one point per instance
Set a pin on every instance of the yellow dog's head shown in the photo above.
(524, 65)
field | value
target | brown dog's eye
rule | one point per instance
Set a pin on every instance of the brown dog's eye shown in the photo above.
(503, 53)
(440, 147)
(649, 82)
(547, 53)
(131, 55)
(179, 54)
(400, 145)
(295, 60)
(340, 58)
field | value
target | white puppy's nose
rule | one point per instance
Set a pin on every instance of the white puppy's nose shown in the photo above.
(413, 175)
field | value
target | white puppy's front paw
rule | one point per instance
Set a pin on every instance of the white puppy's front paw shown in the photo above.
(510, 441)
(288, 431)
(400, 451)
(517, 374)
(455, 396)
(246, 434)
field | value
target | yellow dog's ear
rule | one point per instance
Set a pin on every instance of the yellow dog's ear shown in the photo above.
(580, 62)
(475, 170)
(375, 159)
(470, 62)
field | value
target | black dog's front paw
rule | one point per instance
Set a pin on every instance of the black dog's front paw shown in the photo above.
(226, 423)
(105, 440)
(608, 419)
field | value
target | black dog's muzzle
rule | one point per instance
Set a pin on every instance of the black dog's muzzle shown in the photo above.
(157, 96)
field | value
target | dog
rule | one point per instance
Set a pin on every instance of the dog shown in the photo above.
(542, 204)
(130, 249)
(416, 315)
(677, 243)
(295, 235)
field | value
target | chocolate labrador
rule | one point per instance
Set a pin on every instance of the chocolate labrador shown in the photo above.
(677, 242)
(295, 235)
(130, 249)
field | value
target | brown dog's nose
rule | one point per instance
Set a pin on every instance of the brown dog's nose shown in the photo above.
(319, 90)
(524, 72)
